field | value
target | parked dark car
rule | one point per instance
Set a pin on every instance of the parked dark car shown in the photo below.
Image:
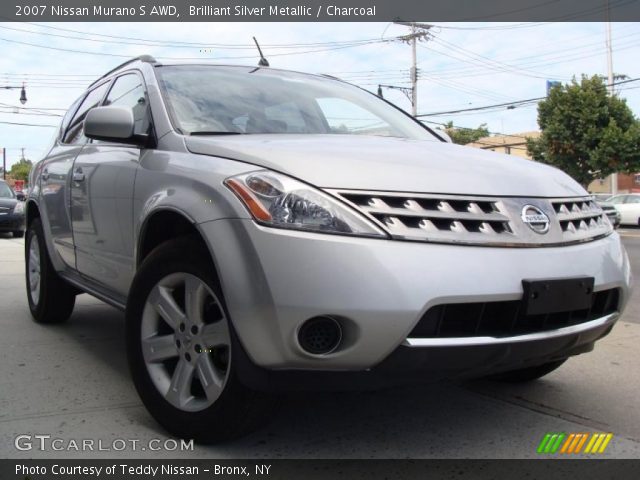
(11, 211)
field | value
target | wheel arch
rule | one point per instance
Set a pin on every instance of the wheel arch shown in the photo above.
(32, 211)
(164, 224)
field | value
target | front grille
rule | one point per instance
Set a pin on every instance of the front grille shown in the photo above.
(476, 220)
(577, 215)
(505, 319)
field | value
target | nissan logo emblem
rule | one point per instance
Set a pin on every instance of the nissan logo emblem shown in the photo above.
(535, 219)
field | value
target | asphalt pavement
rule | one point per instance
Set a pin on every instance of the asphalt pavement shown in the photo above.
(71, 382)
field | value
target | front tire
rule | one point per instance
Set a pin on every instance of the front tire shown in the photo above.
(51, 299)
(181, 348)
(18, 234)
(528, 374)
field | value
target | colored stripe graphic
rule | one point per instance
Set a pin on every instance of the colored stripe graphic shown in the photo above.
(565, 447)
(556, 445)
(605, 443)
(598, 443)
(551, 442)
(573, 443)
(543, 443)
(581, 442)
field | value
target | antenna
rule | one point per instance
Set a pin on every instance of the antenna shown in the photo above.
(263, 61)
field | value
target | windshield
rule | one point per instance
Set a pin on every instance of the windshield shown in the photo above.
(5, 191)
(211, 100)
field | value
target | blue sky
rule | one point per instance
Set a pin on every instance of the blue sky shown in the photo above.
(463, 65)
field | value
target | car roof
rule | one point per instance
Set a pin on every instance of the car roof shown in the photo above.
(152, 61)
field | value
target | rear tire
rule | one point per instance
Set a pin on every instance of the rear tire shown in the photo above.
(527, 374)
(182, 349)
(51, 299)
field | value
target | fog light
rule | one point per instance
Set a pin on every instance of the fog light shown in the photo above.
(320, 335)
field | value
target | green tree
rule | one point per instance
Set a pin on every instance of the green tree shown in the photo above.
(462, 136)
(20, 170)
(586, 132)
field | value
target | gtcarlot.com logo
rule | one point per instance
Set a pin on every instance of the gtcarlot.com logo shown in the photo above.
(574, 443)
(49, 443)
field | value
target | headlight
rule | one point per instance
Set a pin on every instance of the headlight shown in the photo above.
(19, 208)
(279, 201)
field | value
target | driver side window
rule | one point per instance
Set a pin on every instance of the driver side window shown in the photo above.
(128, 91)
(75, 132)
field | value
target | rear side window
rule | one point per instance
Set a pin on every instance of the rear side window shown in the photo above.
(74, 133)
(128, 91)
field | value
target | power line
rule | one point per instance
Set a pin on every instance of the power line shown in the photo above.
(170, 44)
(506, 104)
(459, 72)
(196, 58)
(514, 104)
(28, 124)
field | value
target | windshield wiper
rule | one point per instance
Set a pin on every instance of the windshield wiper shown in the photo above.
(204, 132)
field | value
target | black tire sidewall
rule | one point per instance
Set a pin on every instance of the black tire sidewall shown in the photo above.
(56, 297)
(35, 230)
(224, 419)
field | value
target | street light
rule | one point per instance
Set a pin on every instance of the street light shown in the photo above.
(23, 95)
(23, 92)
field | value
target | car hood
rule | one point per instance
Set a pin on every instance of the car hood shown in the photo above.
(8, 202)
(391, 164)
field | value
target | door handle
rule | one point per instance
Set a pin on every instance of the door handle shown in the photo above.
(78, 175)
(45, 174)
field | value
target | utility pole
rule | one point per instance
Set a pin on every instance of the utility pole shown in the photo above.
(609, 45)
(22, 158)
(414, 73)
(419, 31)
(4, 163)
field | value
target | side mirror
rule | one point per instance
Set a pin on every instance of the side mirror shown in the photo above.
(112, 124)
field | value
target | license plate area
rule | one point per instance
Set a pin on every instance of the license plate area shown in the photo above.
(557, 295)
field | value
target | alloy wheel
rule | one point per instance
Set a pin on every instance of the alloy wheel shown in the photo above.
(34, 270)
(186, 343)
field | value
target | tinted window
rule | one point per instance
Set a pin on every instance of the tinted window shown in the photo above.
(75, 131)
(633, 199)
(128, 91)
(5, 191)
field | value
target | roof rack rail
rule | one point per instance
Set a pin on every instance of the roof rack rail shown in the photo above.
(141, 58)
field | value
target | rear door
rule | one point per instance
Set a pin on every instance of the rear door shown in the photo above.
(102, 195)
(55, 177)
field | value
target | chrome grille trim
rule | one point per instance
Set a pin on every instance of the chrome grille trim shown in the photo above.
(529, 337)
(478, 220)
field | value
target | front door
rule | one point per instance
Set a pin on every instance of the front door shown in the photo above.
(55, 178)
(102, 196)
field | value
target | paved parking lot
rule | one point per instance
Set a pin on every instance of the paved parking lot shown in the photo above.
(71, 382)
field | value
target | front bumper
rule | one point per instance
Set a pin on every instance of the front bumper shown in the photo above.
(12, 222)
(274, 280)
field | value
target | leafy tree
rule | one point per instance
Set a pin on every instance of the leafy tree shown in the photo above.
(20, 170)
(586, 132)
(462, 136)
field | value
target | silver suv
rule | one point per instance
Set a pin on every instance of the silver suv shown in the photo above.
(267, 230)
